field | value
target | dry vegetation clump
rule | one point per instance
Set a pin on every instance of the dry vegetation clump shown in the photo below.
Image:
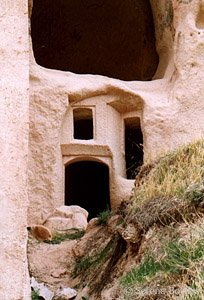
(175, 272)
(170, 190)
(172, 176)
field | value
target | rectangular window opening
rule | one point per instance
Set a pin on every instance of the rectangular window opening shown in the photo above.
(133, 146)
(83, 123)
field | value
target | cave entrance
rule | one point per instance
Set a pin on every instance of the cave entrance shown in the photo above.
(112, 38)
(133, 146)
(87, 185)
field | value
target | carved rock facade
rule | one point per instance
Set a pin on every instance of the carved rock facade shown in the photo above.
(37, 136)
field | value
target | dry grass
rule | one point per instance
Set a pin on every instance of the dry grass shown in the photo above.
(172, 176)
(167, 192)
(178, 267)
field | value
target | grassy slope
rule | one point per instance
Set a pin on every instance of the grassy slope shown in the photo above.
(156, 240)
(172, 175)
(166, 208)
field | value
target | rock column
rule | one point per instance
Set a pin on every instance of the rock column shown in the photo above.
(14, 106)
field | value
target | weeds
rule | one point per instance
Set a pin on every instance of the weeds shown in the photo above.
(195, 193)
(34, 295)
(173, 175)
(70, 234)
(146, 269)
(83, 263)
(166, 191)
(177, 258)
(103, 216)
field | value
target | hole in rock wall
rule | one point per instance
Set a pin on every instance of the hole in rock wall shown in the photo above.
(87, 185)
(83, 123)
(112, 38)
(200, 17)
(133, 146)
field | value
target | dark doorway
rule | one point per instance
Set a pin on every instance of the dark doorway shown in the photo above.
(114, 38)
(133, 146)
(87, 185)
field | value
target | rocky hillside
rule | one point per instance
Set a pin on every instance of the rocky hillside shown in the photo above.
(152, 247)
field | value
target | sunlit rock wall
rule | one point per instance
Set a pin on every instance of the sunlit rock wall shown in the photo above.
(14, 100)
(171, 105)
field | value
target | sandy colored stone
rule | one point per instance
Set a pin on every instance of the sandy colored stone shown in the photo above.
(79, 221)
(170, 108)
(52, 264)
(58, 223)
(14, 118)
(68, 211)
(92, 224)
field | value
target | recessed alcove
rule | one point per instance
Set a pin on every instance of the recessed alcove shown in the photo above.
(87, 185)
(133, 146)
(112, 38)
(83, 123)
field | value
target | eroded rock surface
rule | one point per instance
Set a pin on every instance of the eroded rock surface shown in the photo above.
(67, 217)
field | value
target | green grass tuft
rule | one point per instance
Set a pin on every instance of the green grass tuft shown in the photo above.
(70, 234)
(34, 295)
(177, 258)
(83, 263)
(103, 217)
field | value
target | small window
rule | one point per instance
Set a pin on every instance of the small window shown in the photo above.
(133, 146)
(83, 123)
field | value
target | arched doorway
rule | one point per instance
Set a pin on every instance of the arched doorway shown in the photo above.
(87, 185)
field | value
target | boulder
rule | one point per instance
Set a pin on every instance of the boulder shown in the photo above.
(58, 223)
(79, 221)
(67, 211)
(67, 217)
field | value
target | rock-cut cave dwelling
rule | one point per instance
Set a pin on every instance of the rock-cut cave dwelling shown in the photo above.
(87, 149)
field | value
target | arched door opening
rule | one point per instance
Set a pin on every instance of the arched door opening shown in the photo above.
(133, 146)
(112, 38)
(87, 185)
